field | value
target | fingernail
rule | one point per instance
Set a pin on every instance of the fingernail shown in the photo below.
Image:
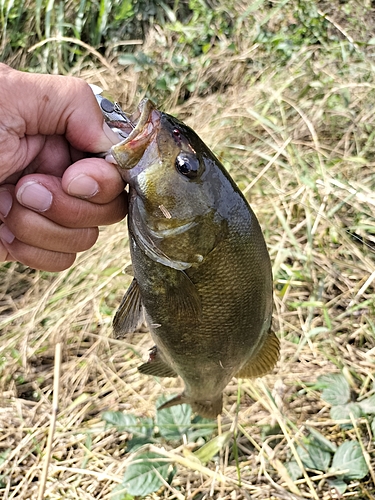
(35, 196)
(112, 136)
(6, 202)
(83, 186)
(6, 234)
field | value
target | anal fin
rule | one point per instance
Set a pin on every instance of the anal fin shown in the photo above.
(156, 366)
(129, 315)
(264, 360)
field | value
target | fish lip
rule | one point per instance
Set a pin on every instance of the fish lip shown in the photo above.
(145, 120)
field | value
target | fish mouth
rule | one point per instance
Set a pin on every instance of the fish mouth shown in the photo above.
(141, 128)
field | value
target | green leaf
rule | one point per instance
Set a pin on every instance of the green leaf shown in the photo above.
(141, 476)
(122, 421)
(342, 412)
(173, 422)
(201, 428)
(127, 59)
(368, 405)
(141, 429)
(338, 484)
(143, 435)
(293, 469)
(336, 390)
(319, 440)
(349, 457)
(313, 457)
(212, 448)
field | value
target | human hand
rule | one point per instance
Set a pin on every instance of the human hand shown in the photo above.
(52, 198)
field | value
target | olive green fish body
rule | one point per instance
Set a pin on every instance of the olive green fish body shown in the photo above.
(202, 274)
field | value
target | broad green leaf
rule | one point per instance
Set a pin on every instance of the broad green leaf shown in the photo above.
(313, 457)
(349, 457)
(142, 434)
(338, 484)
(293, 469)
(212, 448)
(141, 429)
(173, 422)
(201, 428)
(319, 440)
(343, 412)
(368, 405)
(141, 477)
(336, 390)
(122, 421)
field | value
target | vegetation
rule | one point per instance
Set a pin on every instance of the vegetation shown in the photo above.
(284, 93)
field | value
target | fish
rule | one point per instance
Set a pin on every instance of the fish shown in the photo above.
(202, 276)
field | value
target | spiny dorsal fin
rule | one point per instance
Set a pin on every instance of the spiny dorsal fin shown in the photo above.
(264, 360)
(129, 315)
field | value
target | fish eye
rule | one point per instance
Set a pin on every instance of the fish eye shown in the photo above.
(188, 165)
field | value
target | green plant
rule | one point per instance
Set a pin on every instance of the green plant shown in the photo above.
(345, 462)
(148, 470)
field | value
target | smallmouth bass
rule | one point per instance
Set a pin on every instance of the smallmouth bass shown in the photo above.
(202, 273)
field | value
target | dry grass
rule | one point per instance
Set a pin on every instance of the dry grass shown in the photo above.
(302, 150)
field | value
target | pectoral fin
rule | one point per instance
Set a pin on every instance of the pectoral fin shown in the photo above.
(129, 315)
(264, 360)
(184, 299)
(156, 366)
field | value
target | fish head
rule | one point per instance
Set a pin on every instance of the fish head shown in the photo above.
(176, 189)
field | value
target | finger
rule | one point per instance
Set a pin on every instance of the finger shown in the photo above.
(54, 158)
(60, 105)
(94, 179)
(35, 230)
(37, 258)
(44, 194)
(4, 254)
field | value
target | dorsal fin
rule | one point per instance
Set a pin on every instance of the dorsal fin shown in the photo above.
(264, 360)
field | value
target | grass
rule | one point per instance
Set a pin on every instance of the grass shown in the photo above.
(298, 139)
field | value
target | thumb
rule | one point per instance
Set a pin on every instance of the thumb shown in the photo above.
(52, 104)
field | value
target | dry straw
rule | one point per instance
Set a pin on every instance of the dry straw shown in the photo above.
(306, 163)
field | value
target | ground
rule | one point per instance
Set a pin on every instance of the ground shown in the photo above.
(298, 140)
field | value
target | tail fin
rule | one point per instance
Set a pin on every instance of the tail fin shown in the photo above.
(207, 408)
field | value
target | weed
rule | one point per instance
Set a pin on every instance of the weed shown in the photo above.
(283, 92)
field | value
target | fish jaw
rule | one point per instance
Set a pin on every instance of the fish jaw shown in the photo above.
(129, 152)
